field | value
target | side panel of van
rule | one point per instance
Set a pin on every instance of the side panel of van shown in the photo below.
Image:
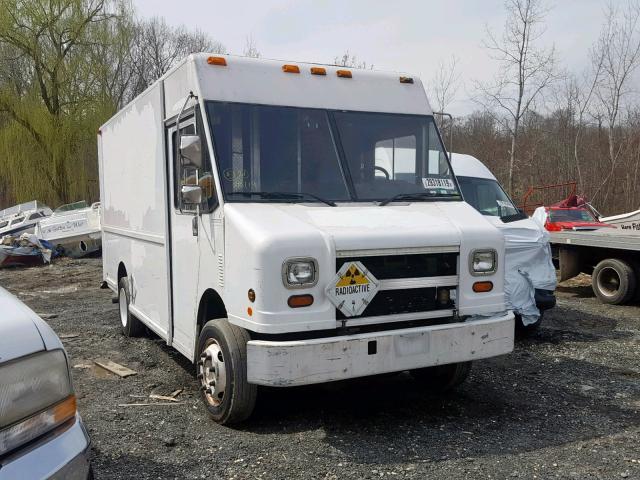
(133, 196)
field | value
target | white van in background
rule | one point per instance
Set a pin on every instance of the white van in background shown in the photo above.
(530, 277)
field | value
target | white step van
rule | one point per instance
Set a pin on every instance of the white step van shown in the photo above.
(255, 217)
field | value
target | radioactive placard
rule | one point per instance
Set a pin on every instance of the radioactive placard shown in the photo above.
(352, 288)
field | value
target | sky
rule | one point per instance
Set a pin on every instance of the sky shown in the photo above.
(404, 35)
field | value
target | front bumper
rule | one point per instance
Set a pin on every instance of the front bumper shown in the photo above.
(61, 454)
(319, 360)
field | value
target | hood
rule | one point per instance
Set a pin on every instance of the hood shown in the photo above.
(19, 335)
(358, 226)
(522, 231)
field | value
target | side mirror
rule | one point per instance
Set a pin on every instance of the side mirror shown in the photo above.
(191, 194)
(191, 150)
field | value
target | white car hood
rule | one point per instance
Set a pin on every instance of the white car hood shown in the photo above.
(19, 335)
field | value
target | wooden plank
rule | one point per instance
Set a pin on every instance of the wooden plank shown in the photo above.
(116, 368)
(162, 397)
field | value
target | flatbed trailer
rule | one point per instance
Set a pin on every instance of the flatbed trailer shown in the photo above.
(610, 256)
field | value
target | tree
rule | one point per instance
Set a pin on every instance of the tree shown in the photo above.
(618, 52)
(66, 66)
(525, 70)
(250, 48)
(444, 84)
(157, 47)
(50, 42)
(351, 61)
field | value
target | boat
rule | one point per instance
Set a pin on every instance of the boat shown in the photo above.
(73, 229)
(629, 222)
(22, 218)
(26, 251)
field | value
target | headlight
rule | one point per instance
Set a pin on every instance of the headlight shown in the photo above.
(300, 272)
(35, 397)
(483, 262)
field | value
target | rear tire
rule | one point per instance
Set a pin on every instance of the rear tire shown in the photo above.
(222, 372)
(613, 281)
(131, 326)
(443, 378)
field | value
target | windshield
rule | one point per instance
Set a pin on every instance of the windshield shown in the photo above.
(269, 153)
(570, 215)
(72, 206)
(487, 196)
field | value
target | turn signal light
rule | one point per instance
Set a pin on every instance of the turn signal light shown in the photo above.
(318, 71)
(344, 73)
(65, 410)
(480, 287)
(297, 301)
(291, 68)
(220, 61)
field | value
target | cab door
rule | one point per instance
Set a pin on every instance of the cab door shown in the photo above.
(191, 233)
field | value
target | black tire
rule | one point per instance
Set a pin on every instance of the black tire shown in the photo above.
(229, 345)
(523, 330)
(614, 281)
(131, 326)
(443, 378)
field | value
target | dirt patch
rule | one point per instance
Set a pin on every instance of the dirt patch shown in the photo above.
(564, 404)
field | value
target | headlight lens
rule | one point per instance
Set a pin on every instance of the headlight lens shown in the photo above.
(483, 262)
(35, 396)
(300, 272)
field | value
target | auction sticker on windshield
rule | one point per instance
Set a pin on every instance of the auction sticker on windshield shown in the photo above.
(352, 288)
(438, 182)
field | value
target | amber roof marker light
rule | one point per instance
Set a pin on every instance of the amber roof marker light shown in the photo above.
(406, 79)
(219, 61)
(344, 73)
(287, 68)
(318, 71)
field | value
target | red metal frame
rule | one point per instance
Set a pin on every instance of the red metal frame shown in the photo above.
(530, 207)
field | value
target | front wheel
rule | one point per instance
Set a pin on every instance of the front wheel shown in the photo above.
(443, 378)
(222, 372)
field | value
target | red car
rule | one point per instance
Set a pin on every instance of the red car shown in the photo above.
(572, 218)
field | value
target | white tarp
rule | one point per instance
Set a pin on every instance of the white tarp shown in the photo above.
(528, 266)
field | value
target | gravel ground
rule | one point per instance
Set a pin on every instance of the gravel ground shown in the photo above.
(564, 404)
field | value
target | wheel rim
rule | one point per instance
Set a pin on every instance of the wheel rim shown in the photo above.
(212, 372)
(608, 281)
(122, 300)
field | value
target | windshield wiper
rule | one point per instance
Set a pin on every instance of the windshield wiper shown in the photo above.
(417, 196)
(285, 195)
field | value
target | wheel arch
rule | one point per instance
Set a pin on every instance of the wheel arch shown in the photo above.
(122, 271)
(211, 306)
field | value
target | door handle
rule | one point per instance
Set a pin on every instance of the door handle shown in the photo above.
(194, 225)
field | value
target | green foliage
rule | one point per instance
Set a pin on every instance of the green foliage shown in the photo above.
(48, 100)
(66, 66)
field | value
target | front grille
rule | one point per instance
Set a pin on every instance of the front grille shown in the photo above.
(394, 267)
(390, 267)
(393, 302)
